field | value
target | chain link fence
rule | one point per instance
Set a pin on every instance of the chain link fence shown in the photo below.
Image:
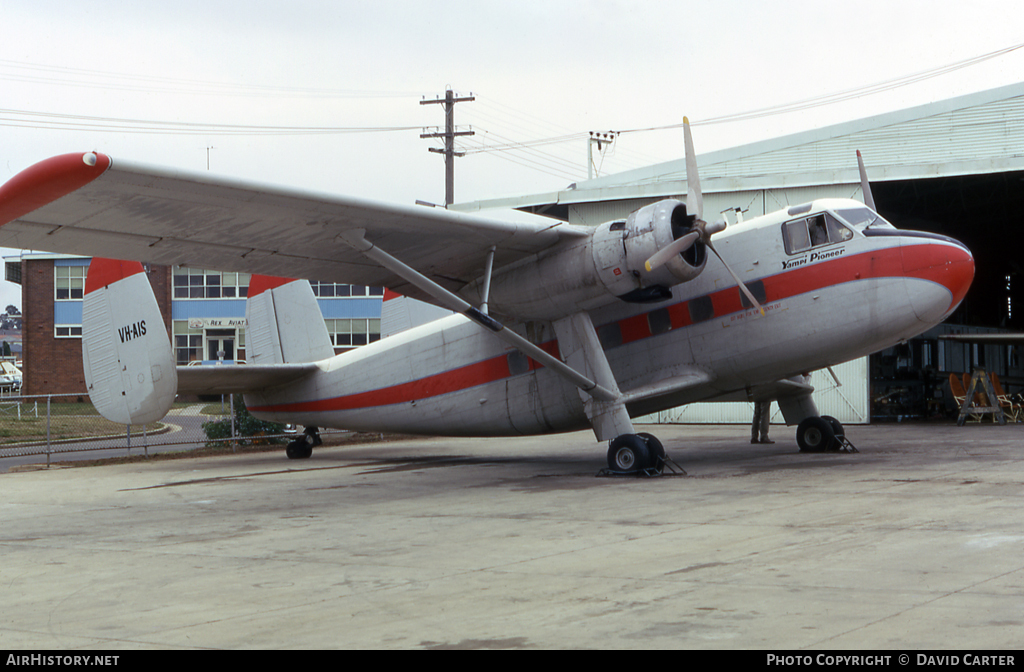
(59, 424)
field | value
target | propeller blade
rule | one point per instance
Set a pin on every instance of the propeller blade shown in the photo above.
(694, 198)
(743, 287)
(865, 186)
(662, 256)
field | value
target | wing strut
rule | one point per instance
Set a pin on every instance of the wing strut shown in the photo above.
(356, 238)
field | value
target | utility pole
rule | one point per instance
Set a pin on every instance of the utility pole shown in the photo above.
(597, 139)
(449, 135)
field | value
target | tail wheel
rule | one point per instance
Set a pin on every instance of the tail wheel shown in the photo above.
(629, 453)
(815, 435)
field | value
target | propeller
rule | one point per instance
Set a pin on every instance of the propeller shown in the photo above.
(865, 186)
(701, 230)
(667, 253)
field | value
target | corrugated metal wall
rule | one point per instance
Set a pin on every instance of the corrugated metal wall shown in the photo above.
(991, 130)
(847, 403)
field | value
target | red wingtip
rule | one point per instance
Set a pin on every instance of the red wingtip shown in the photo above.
(389, 294)
(103, 272)
(47, 181)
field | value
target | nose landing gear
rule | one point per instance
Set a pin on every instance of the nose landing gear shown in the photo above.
(822, 434)
(638, 454)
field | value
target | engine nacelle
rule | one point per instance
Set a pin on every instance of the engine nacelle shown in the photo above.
(591, 272)
(622, 248)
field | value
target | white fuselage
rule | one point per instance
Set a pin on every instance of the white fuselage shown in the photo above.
(824, 305)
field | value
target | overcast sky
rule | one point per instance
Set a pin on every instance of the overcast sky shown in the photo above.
(538, 69)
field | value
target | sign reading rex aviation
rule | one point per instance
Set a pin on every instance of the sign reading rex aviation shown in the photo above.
(216, 322)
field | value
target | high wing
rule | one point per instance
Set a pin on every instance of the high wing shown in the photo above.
(91, 205)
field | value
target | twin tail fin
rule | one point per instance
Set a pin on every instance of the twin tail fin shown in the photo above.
(129, 366)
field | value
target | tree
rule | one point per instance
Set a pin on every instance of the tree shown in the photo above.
(13, 310)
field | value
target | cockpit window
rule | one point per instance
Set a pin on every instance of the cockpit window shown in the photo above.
(822, 229)
(797, 238)
(837, 233)
(861, 218)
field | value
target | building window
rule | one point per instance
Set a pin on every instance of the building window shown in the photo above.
(67, 331)
(196, 283)
(330, 290)
(69, 282)
(188, 343)
(350, 333)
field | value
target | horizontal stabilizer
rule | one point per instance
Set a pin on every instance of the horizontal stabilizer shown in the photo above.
(233, 379)
(129, 369)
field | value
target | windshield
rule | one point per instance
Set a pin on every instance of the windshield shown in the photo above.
(862, 218)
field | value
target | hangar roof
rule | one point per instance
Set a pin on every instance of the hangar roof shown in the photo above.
(978, 133)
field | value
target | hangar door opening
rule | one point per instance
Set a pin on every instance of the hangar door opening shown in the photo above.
(847, 402)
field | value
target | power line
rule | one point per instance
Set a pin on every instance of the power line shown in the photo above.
(75, 122)
(840, 96)
(80, 77)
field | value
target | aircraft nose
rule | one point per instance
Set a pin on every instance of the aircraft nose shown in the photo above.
(939, 272)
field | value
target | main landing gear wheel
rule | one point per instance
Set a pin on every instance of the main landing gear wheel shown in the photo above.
(635, 453)
(302, 447)
(299, 449)
(817, 435)
(628, 453)
(657, 452)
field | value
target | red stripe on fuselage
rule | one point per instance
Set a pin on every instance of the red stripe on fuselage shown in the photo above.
(472, 375)
(880, 263)
(462, 378)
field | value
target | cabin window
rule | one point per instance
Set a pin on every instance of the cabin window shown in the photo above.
(610, 335)
(821, 229)
(701, 308)
(659, 321)
(518, 363)
(757, 289)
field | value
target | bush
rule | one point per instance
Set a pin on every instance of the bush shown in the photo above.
(248, 430)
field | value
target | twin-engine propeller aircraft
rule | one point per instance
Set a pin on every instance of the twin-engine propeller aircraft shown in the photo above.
(557, 327)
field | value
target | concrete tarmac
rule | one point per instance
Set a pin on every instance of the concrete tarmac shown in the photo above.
(915, 542)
